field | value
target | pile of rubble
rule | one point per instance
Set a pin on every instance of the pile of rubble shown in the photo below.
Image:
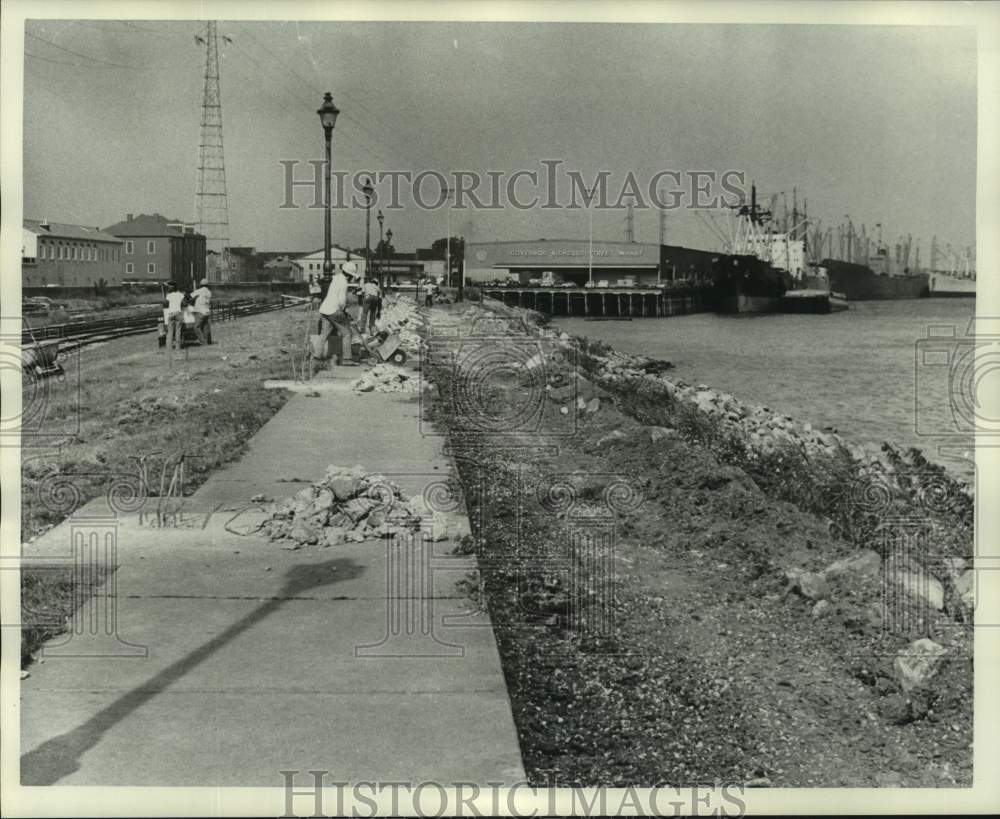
(388, 378)
(347, 505)
(403, 318)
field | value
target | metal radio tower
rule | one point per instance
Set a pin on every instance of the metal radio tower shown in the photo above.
(211, 202)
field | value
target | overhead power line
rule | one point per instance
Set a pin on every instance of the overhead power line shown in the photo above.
(85, 56)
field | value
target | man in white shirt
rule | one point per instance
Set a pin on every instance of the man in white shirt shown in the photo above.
(370, 305)
(202, 309)
(333, 314)
(173, 313)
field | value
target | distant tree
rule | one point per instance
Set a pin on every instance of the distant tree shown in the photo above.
(382, 248)
(439, 250)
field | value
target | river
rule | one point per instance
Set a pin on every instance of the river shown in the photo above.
(860, 371)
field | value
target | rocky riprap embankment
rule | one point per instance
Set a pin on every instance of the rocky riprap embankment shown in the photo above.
(875, 589)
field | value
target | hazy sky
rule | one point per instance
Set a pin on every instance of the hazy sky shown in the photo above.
(875, 122)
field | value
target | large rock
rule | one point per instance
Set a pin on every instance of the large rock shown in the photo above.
(865, 565)
(917, 664)
(811, 585)
(659, 433)
(965, 585)
(612, 437)
(921, 585)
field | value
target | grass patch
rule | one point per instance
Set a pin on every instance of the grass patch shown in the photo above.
(49, 597)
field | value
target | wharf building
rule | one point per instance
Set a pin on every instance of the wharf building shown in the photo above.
(580, 277)
(56, 254)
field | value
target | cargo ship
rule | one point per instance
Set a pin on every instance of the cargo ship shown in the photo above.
(749, 284)
(945, 285)
(859, 282)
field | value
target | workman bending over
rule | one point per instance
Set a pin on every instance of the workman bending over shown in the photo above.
(175, 307)
(333, 315)
(371, 305)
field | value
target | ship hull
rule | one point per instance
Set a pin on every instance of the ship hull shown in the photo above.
(860, 283)
(818, 302)
(944, 286)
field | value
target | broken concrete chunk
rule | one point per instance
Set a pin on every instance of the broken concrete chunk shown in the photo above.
(302, 532)
(917, 664)
(343, 487)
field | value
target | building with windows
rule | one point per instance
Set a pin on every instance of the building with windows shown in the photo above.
(282, 269)
(583, 263)
(312, 263)
(59, 254)
(160, 249)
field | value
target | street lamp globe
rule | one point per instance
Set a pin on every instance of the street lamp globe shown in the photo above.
(328, 112)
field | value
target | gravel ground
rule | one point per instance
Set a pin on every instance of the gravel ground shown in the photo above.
(671, 650)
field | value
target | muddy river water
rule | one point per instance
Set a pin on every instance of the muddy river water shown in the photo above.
(896, 371)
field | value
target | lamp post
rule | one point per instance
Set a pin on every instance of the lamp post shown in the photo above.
(590, 235)
(328, 117)
(381, 246)
(447, 253)
(385, 250)
(367, 190)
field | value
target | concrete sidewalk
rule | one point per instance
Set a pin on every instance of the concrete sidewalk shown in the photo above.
(215, 657)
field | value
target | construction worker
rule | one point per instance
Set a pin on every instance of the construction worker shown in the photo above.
(202, 309)
(333, 315)
(371, 305)
(174, 314)
(315, 292)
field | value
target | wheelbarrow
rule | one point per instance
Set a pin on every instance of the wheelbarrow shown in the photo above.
(384, 346)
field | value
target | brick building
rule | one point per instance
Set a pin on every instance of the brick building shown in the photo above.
(54, 253)
(161, 249)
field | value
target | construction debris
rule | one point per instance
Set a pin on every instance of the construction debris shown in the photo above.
(403, 318)
(388, 378)
(350, 506)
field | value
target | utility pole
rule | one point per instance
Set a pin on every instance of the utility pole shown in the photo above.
(629, 226)
(663, 226)
(211, 200)
(590, 236)
(447, 255)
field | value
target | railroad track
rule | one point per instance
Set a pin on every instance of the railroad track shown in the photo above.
(75, 334)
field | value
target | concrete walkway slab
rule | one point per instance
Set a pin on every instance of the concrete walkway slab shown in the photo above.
(217, 658)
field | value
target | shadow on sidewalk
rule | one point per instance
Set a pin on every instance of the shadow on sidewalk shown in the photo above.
(59, 756)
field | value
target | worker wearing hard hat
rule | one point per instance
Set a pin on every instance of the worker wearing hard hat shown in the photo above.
(333, 312)
(202, 309)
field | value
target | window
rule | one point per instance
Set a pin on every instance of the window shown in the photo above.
(128, 268)
(151, 246)
(129, 247)
(60, 251)
(151, 268)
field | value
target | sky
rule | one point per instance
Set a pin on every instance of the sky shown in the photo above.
(874, 122)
